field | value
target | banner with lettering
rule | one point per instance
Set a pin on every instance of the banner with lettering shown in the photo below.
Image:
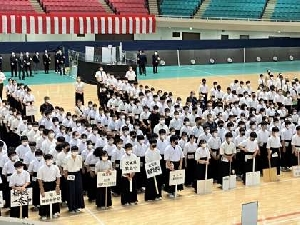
(107, 179)
(153, 169)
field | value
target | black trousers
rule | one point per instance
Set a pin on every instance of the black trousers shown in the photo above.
(190, 168)
(126, 195)
(75, 199)
(151, 192)
(171, 189)
(64, 189)
(46, 67)
(155, 68)
(28, 69)
(117, 189)
(141, 177)
(1, 90)
(62, 69)
(21, 71)
(45, 209)
(142, 69)
(15, 212)
(13, 70)
(92, 188)
(100, 199)
(275, 161)
(286, 157)
(80, 97)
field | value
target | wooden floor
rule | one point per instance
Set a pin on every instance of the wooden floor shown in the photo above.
(279, 202)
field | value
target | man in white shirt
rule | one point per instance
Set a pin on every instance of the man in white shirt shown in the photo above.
(130, 75)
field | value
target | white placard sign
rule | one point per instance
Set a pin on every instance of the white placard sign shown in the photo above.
(130, 166)
(89, 53)
(1, 199)
(20, 198)
(107, 179)
(249, 213)
(30, 110)
(177, 177)
(51, 197)
(153, 169)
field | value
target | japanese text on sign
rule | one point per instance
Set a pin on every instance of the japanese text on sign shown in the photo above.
(51, 197)
(107, 179)
(18, 198)
(153, 169)
(131, 166)
(177, 177)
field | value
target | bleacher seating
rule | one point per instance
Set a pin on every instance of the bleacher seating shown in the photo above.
(129, 7)
(51, 6)
(286, 10)
(16, 6)
(252, 9)
(184, 8)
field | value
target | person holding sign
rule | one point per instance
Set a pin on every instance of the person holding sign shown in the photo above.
(202, 157)
(72, 171)
(227, 152)
(173, 157)
(103, 165)
(48, 177)
(273, 146)
(250, 148)
(19, 181)
(116, 157)
(296, 146)
(139, 150)
(153, 183)
(128, 190)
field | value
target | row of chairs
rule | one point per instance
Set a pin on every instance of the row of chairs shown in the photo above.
(179, 8)
(128, 6)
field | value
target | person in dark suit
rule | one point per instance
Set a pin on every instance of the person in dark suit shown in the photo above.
(13, 64)
(27, 64)
(1, 60)
(36, 61)
(155, 61)
(46, 61)
(56, 63)
(192, 98)
(47, 106)
(61, 63)
(142, 63)
(21, 64)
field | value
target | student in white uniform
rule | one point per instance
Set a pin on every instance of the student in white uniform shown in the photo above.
(128, 197)
(250, 149)
(227, 152)
(139, 150)
(286, 141)
(153, 189)
(72, 170)
(189, 154)
(48, 177)
(214, 144)
(202, 157)
(19, 181)
(103, 165)
(79, 90)
(262, 139)
(296, 146)
(116, 157)
(173, 158)
(273, 146)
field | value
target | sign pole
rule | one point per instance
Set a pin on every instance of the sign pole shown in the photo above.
(155, 183)
(205, 178)
(130, 185)
(50, 211)
(21, 210)
(175, 191)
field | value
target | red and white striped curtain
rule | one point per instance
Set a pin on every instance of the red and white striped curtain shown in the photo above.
(39, 24)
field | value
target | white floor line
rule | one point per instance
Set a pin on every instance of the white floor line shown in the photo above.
(93, 215)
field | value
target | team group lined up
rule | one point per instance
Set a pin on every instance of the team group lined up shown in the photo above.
(221, 133)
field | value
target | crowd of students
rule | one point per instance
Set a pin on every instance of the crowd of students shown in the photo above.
(64, 151)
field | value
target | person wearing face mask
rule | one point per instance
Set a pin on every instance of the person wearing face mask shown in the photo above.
(155, 61)
(161, 125)
(74, 179)
(139, 150)
(202, 157)
(19, 181)
(22, 149)
(173, 157)
(29, 155)
(130, 75)
(250, 149)
(214, 144)
(116, 157)
(110, 146)
(153, 184)
(90, 162)
(189, 155)
(33, 168)
(48, 176)
(100, 76)
(176, 122)
(79, 90)
(273, 147)
(286, 151)
(49, 143)
(227, 153)
(128, 196)
(46, 106)
(103, 165)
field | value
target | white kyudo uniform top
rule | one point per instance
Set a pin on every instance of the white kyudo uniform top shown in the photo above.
(273, 142)
(79, 86)
(109, 148)
(21, 150)
(8, 169)
(173, 154)
(202, 153)
(251, 146)
(296, 142)
(73, 165)
(19, 179)
(227, 149)
(189, 148)
(152, 155)
(214, 142)
(91, 161)
(262, 137)
(102, 166)
(48, 173)
(162, 145)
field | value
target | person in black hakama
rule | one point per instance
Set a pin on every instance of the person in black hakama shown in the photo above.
(116, 160)
(128, 180)
(49, 180)
(79, 93)
(19, 181)
(72, 169)
(189, 152)
(202, 157)
(273, 146)
(153, 184)
(104, 165)
(173, 157)
(46, 61)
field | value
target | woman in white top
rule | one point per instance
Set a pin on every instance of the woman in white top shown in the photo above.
(202, 157)
(28, 102)
(79, 90)
(103, 165)
(153, 184)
